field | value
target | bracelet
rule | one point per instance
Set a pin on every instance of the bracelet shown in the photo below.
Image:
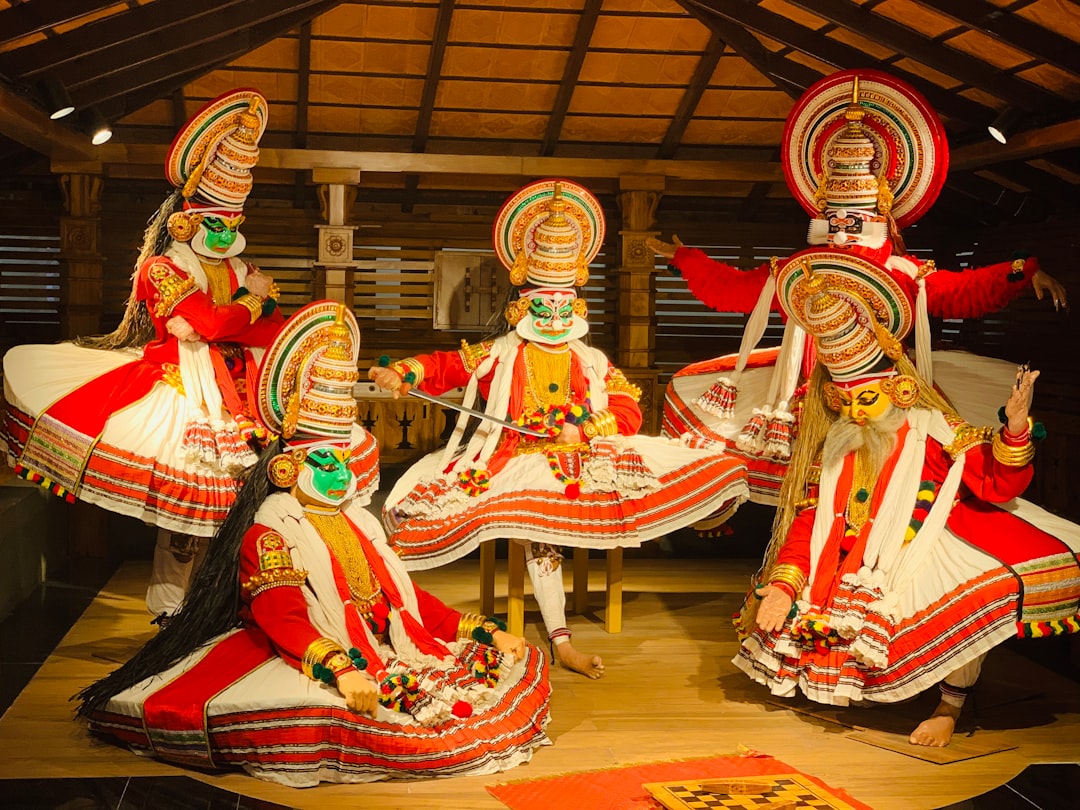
(1011, 455)
(484, 633)
(252, 303)
(601, 423)
(410, 370)
(321, 649)
(790, 575)
(467, 623)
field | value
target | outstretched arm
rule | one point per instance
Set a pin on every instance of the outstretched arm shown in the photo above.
(717, 285)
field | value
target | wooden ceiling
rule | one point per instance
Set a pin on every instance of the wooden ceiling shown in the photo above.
(442, 102)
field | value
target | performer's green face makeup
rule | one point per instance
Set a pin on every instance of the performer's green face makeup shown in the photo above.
(326, 478)
(552, 315)
(220, 232)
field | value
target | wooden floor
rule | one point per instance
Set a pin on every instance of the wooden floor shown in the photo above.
(670, 692)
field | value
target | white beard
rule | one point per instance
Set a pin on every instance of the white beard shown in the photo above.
(875, 440)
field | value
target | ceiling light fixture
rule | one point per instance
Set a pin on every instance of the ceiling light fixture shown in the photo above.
(1005, 124)
(97, 127)
(57, 100)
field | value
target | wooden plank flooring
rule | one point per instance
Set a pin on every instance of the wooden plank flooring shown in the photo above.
(670, 692)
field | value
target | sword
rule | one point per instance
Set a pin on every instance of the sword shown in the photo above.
(506, 423)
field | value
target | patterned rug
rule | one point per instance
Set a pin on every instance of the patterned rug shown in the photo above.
(749, 780)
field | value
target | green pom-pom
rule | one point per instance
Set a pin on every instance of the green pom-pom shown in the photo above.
(675, 271)
(410, 377)
(1001, 415)
(384, 361)
(498, 623)
(862, 495)
(482, 635)
(357, 658)
(1038, 432)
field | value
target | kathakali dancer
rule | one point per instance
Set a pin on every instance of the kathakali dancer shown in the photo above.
(154, 420)
(901, 553)
(588, 480)
(865, 155)
(304, 653)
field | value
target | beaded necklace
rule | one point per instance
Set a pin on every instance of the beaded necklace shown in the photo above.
(335, 531)
(547, 375)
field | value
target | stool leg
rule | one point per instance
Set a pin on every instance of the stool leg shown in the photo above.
(487, 577)
(515, 589)
(581, 580)
(613, 598)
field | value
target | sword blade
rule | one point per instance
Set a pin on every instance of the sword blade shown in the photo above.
(506, 423)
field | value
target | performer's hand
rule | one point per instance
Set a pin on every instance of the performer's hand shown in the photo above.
(360, 691)
(1019, 404)
(388, 380)
(506, 643)
(665, 249)
(570, 434)
(258, 283)
(1044, 283)
(178, 326)
(772, 612)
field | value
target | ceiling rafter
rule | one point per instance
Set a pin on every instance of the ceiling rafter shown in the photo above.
(788, 76)
(699, 83)
(436, 57)
(303, 93)
(202, 55)
(910, 43)
(27, 124)
(88, 43)
(571, 72)
(843, 56)
(33, 18)
(1014, 30)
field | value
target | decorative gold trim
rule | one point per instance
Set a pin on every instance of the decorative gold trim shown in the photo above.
(618, 384)
(1012, 455)
(473, 354)
(966, 436)
(273, 578)
(172, 288)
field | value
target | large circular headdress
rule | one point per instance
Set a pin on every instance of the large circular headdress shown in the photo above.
(307, 375)
(212, 155)
(907, 135)
(856, 309)
(551, 241)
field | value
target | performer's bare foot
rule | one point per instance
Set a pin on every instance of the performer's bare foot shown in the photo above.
(937, 729)
(588, 665)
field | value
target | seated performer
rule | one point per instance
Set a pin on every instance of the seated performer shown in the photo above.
(901, 553)
(587, 480)
(865, 155)
(341, 669)
(152, 420)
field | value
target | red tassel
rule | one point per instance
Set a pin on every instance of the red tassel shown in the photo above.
(461, 709)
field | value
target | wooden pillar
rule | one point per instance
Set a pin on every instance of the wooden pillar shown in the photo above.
(636, 306)
(335, 266)
(80, 243)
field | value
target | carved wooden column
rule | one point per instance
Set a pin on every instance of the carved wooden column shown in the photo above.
(335, 266)
(636, 308)
(80, 242)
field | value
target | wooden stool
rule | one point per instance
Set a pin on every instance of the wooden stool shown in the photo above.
(515, 585)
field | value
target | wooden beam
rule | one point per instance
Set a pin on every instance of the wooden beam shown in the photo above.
(24, 19)
(154, 61)
(88, 43)
(29, 125)
(788, 76)
(1021, 146)
(1014, 30)
(908, 42)
(571, 72)
(699, 82)
(511, 166)
(843, 56)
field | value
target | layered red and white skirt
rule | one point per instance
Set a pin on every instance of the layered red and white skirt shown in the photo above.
(236, 704)
(622, 493)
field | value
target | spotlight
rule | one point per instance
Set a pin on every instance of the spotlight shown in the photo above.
(97, 127)
(56, 98)
(1005, 124)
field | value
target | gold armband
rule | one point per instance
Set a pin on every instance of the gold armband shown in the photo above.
(966, 436)
(790, 575)
(1011, 455)
(473, 354)
(617, 383)
(252, 303)
(320, 650)
(171, 287)
(467, 623)
(601, 423)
